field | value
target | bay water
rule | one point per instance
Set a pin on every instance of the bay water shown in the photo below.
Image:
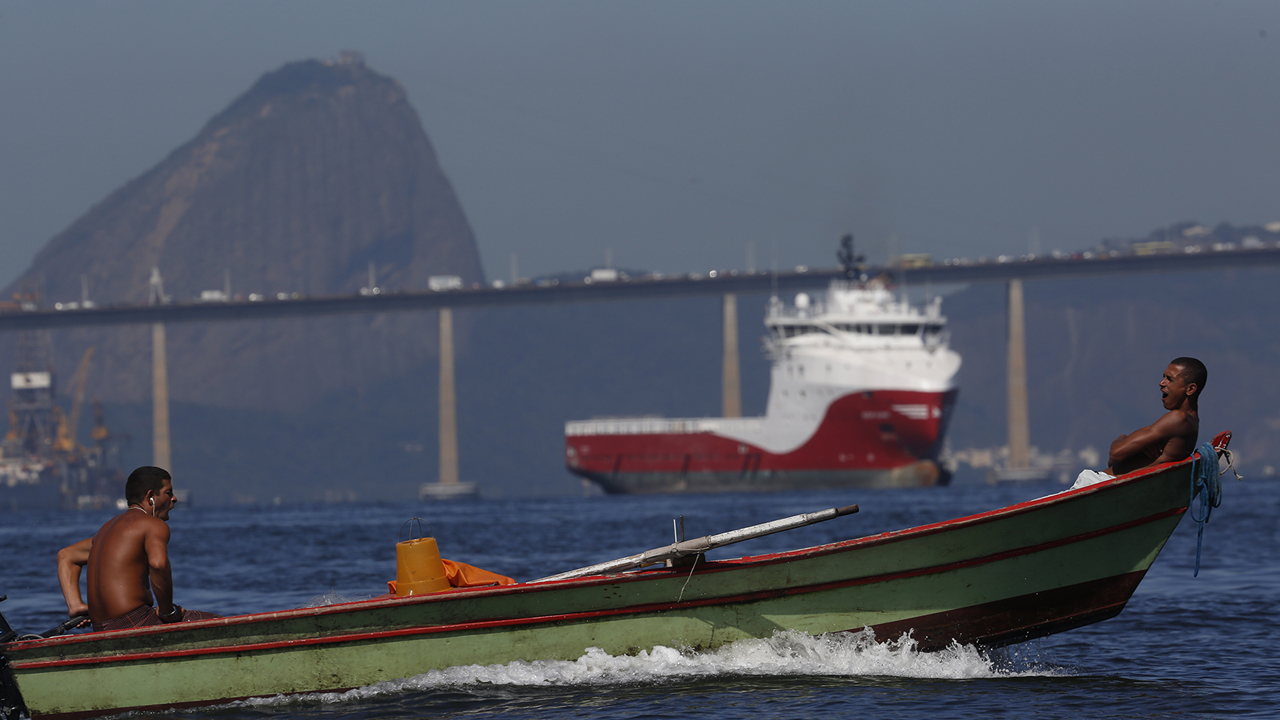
(1184, 647)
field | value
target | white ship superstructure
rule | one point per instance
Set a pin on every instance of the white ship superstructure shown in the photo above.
(861, 338)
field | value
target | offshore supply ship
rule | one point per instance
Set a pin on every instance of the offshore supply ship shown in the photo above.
(862, 387)
(42, 465)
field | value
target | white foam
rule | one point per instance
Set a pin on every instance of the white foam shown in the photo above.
(787, 653)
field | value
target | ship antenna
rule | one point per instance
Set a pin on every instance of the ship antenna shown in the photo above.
(850, 262)
(773, 272)
(845, 255)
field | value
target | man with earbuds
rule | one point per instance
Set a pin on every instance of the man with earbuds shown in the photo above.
(128, 561)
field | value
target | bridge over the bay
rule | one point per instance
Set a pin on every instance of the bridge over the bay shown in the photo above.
(727, 284)
(652, 286)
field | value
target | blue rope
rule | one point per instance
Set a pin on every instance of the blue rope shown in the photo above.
(1205, 482)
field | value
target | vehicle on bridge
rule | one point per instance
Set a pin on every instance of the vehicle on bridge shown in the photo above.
(861, 391)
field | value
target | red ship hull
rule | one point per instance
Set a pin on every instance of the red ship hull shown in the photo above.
(870, 439)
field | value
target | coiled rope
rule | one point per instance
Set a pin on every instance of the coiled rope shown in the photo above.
(1206, 482)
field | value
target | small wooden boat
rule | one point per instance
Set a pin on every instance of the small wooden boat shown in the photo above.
(995, 578)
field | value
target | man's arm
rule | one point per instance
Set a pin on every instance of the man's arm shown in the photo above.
(156, 543)
(1147, 443)
(70, 561)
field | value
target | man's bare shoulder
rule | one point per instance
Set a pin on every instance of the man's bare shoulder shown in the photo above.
(157, 528)
(1177, 422)
(132, 524)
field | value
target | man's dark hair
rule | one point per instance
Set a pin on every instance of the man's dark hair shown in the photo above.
(1193, 371)
(143, 480)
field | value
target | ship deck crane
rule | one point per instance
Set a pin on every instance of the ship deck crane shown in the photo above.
(65, 441)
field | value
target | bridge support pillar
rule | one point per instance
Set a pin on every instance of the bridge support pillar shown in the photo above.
(159, 400)
(731, 380)
(1019, 422)
(449, 485)
(448, 403)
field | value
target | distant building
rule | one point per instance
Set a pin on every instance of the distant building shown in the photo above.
(1153, 248)
(915, 260)
(444, 282)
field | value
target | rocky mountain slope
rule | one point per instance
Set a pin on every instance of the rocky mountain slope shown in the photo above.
(317, 172)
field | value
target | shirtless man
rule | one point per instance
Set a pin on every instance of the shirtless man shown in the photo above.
(128, 561)
(1173, 436)
(1168, 439)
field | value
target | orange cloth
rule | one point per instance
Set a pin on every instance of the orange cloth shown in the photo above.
(464, 575)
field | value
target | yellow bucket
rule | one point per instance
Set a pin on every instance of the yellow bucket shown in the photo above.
(419, 569)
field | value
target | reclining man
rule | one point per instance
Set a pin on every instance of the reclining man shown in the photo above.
(128, 561)
(1168, 439)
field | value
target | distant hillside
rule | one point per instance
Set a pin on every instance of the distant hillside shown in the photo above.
(317, 171)
(1192, 237)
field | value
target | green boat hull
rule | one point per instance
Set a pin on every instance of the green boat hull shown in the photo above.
(996, 578)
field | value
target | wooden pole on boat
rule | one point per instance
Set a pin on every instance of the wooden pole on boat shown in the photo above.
(1019, 422)
(448, 404)
(703, 544)
(159, 400)
(731, 381)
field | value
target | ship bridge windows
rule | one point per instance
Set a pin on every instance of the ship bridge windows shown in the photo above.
(790, 331)
(890, 329)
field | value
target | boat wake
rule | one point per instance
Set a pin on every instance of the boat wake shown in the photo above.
(786, 654)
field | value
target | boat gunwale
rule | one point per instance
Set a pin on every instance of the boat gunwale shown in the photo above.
(742, 563)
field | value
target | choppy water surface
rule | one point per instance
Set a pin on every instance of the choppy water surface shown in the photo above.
(1184, 647)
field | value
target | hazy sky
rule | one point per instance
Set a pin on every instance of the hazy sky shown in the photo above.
(677, 135)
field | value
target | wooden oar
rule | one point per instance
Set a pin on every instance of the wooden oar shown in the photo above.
(703, 544)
